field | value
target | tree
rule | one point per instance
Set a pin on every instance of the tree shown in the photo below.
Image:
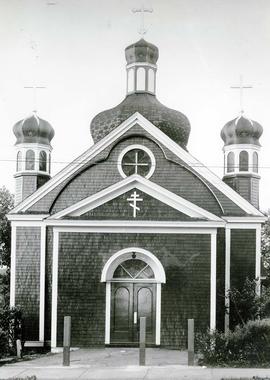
(265, 250)
(6, 204)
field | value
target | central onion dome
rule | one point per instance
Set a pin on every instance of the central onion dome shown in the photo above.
(241, 131)
(33, 130)
(141, 88)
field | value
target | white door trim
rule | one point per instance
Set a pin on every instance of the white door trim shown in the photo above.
(107, 274)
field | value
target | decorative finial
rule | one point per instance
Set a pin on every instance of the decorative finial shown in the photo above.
(241, 87)
(142, 30)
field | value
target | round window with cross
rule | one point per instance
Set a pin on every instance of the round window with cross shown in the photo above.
(136, 159)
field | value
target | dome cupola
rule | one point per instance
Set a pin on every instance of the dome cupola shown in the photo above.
(33, 129)
(241, 131)
(241, 157)
(33, 159)
(141, 51)
(141, 97)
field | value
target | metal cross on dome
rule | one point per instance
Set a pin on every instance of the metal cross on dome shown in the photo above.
(134, 198)
(241, 87)
(142, 30)
(34, 87)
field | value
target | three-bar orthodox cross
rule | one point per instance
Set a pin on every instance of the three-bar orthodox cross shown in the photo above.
(241, 87)
(142, 30)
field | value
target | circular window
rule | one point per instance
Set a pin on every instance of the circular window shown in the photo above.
(136, 159)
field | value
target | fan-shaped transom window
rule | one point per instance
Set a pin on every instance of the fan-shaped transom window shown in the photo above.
(133, 269)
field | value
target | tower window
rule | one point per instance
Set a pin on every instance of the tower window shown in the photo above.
(49, 169)
(243, 161)
(19, 161)
(151, 80)
(30, 160)
(255, 162)
(140, 79)
(230, 162)
(130, 80)
(42, 161)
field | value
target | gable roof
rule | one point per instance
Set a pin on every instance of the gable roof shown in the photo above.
(140, 183)
(137, 118)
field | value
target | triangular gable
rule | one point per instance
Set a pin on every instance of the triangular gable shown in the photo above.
(135, 205)
(142, 184)
(137, 118)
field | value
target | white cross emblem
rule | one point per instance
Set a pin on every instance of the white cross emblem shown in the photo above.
(134, 198)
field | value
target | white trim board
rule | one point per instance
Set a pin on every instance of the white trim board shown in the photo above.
(140, 183)
(137, 118)
(13, 266)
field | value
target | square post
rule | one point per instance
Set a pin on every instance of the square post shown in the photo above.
(66, 341)
(142, 340)
(191, 342)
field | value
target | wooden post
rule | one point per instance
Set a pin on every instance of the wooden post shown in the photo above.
(190, 341)
(142, 340)
(19, 348)
(66, 341)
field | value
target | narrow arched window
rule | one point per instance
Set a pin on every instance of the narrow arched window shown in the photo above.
(140, 79)
(230, 162)
(130, 80)
(255, 162)
(30, 160)
(19, 161)
(243, 161)
(42, 161)
(49, 168)
(151, 80)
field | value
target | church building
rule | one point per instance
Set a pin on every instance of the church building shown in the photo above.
(135, 226)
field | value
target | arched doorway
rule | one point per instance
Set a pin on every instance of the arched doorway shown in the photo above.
(133, 279)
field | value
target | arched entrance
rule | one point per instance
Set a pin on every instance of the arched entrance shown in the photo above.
(133, 279)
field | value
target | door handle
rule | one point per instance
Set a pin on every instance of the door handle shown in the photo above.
(135, 318)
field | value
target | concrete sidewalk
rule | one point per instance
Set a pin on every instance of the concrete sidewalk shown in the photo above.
(121, 364)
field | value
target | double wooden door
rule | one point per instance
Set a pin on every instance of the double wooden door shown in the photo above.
(129, 302)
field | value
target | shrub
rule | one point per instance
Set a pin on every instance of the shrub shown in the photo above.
(246, 345)
(11, 327)
(4, 345)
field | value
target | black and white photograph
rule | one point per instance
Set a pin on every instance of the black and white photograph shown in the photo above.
(134, 189)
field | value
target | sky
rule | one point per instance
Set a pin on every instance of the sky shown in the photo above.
(75, 48)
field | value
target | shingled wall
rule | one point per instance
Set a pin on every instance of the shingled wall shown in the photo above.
(186, 294)
(243, 255)
(27, 279)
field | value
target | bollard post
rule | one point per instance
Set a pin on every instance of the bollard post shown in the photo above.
(19, 348)
(142, 340)
(190, 341)
(66, 341)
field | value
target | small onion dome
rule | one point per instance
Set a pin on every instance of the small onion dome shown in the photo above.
(141, 51)
(241, 131)
(33, 130)
(173, 123)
